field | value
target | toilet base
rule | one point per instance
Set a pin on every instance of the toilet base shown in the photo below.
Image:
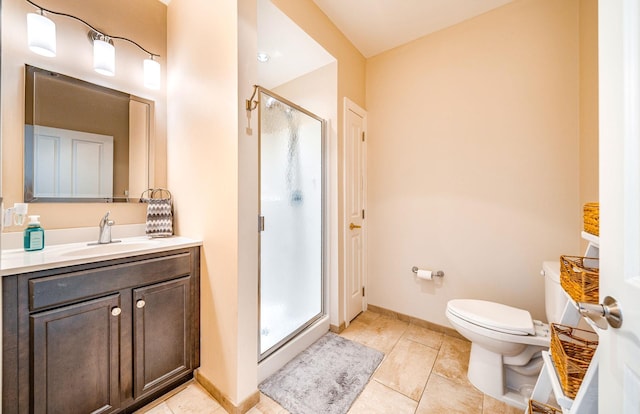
(488, 374)
(486, 371)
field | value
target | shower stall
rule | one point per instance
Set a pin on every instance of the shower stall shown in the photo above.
(291, 275)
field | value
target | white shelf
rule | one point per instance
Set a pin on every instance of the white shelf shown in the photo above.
(591, 238)
(564, 401)
(586, 401)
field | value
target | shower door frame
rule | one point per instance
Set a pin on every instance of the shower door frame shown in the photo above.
(323, 131)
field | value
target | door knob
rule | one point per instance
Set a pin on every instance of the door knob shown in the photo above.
(354, 226)
(602, 314)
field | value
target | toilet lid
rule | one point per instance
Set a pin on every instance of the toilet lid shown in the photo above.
(496, 316)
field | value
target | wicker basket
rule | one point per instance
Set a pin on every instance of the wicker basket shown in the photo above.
(592, 218)
(536, 407)
(571, 351)
(579, 277)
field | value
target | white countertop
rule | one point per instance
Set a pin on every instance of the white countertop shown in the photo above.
(16, 261)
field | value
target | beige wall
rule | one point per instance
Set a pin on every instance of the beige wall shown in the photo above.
(474, 159)
(588, 101)
(203, 171)
(247, 378)
(143, 21)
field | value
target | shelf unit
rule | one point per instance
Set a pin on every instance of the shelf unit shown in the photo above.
(586, 401)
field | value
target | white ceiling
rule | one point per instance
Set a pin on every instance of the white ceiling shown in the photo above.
(374, 26)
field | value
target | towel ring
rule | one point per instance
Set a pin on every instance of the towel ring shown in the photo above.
(151, 192)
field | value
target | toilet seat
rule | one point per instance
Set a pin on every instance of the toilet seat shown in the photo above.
(494, 316)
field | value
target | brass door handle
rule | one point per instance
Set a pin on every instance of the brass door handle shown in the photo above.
(354, 226)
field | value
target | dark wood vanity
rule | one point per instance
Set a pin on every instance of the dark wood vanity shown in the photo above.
(100, 337)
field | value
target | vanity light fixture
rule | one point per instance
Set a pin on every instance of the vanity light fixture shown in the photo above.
(41, 34)
(151, 73)
(42, 40)
(104, 54)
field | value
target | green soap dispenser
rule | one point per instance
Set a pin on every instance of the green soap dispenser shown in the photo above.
(33, 235)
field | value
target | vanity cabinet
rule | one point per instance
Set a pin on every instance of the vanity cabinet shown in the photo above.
(105, 337)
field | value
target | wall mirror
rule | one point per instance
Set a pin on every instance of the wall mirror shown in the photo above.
(83, 142)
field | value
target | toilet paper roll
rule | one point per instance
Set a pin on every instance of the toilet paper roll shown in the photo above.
(424, 274)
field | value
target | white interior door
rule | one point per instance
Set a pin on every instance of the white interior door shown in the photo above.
(354, 212)
(71, 163)
(619, 66)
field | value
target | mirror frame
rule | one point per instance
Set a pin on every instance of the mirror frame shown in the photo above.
(28, 143)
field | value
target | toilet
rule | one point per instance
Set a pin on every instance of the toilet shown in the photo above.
(506, 342)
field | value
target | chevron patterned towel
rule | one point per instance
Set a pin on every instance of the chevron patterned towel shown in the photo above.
(159, 217)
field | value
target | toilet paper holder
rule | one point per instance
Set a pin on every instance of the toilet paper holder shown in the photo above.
(437, 273)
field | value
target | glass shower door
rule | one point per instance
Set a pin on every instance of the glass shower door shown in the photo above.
(291, 210)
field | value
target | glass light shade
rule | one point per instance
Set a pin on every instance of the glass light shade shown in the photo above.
(41, 35)
(104, 57)
(151, 74)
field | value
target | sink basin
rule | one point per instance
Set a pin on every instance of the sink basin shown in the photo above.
(97, 249)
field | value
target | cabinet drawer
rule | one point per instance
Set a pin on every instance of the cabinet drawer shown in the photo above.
(66, 288)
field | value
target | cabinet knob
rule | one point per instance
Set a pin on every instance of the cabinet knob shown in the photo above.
(140, 304)
(116, 311)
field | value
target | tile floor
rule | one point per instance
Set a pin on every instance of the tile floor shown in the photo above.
(423, 372)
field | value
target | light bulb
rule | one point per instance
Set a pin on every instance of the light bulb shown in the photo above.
(104, 57)
(41, 35)
(151, 74)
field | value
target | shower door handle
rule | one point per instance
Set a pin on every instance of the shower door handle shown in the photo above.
(354, 226)
(260, 224)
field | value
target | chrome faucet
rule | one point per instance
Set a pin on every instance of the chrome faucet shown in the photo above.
(105, 229)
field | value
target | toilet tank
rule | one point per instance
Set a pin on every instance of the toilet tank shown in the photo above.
(554, 297)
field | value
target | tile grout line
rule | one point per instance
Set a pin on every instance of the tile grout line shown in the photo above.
(431, 372)
(402, 336)
(395, 391)
(420, 343)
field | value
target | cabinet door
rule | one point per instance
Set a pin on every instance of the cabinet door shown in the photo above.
(76, 358)
(161, 334)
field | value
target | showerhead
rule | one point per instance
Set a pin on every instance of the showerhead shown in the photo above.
(270, 102)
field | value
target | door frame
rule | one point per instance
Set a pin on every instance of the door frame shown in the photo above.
(349, 105)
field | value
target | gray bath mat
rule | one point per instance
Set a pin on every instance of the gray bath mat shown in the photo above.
(326, 378)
